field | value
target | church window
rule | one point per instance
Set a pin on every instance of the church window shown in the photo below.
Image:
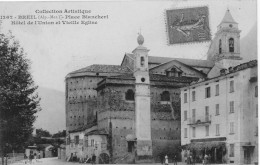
(130, 95)
(185, 98)
(143, 79)
(193, 96)
(231, 88)
(231, 107)
(142, 61)
(185, 132)
(207, 92)
(220, 47)
(193, 132)
(217, 89)
(173, 72)
(165, 96)
(231, 45)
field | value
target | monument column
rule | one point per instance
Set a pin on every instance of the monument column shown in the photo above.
(142, 104)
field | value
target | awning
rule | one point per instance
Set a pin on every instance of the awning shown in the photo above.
(204, 145)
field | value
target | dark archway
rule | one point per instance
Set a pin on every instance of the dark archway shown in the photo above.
(103, 158)
(231, 44)
(220, 47)
(130, 95)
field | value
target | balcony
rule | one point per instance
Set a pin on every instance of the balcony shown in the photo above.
(200, 121)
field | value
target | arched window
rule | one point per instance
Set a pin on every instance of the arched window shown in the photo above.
(165, 96)
(231, 44)
(220, 47)
(142, 61)
(130, 95)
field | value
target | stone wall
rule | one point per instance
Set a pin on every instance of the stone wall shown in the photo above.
(81, 99)
(112, 106)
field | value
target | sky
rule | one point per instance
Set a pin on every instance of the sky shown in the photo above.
(56, 50)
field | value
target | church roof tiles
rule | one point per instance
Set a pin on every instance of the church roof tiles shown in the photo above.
(103, 68)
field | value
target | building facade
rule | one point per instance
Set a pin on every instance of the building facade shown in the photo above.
(130, 112)
(219, 114)
(149, 107)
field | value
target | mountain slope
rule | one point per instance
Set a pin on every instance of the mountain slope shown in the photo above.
(52, 115)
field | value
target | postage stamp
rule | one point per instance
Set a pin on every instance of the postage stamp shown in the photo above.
(188, 25)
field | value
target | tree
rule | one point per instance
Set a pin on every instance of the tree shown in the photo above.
(18, 101)
(59, 134)
(42, 133)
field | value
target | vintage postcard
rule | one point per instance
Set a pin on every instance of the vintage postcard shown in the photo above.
(123, 82)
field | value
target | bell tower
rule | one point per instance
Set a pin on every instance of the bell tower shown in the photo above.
(225, 47)
(142, 103)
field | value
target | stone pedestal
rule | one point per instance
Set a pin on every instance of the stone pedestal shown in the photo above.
(144, 152)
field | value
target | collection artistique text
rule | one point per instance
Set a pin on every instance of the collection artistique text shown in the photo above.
(71, 11)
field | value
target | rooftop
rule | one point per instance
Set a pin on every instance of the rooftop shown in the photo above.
(97, 68)
(190, 62)
(237, 68)
(228, 18)
(155, 77)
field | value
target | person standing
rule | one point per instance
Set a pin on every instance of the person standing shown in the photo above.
(30, 158)
(174, 159)
(206, 159)
(166, 160)
(191, 159)
(188, 159)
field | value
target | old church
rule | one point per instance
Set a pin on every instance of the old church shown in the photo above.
(130, 113)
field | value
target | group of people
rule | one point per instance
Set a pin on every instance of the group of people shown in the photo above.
(165, 160)
(191, 160)
(32, 158)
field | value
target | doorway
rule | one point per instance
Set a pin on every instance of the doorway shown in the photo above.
(247, 155)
